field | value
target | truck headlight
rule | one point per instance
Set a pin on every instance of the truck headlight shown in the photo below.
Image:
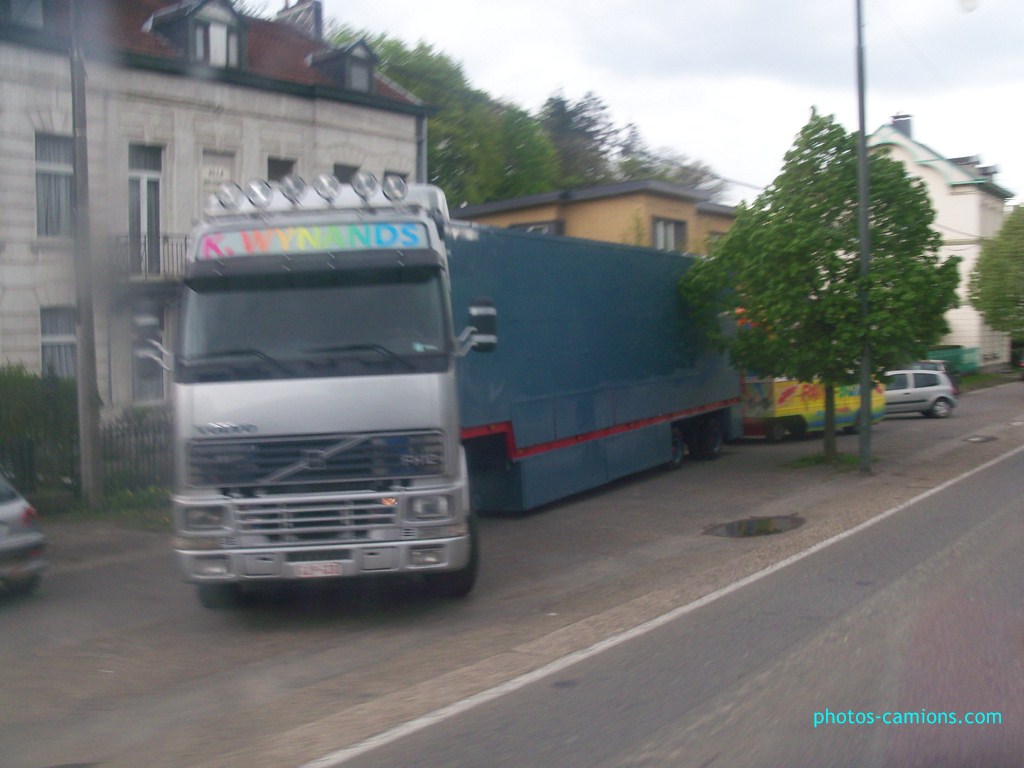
(423, 508)
(205, 518)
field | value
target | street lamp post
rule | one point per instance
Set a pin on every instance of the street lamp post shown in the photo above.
(88, 398)
(866, 385)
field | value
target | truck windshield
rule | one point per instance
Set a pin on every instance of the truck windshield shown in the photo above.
(345, 323)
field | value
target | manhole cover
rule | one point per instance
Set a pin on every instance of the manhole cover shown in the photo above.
(755, 526)
(979, 439)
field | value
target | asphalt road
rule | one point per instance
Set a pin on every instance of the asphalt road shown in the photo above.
(870, 652)
(114, 663)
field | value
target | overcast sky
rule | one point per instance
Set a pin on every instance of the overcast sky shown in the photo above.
(731, 82)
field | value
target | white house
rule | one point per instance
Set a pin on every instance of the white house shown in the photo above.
(180, 96)
(969, 208)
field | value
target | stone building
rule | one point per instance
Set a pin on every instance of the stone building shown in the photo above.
(180, 96)
(969, 208)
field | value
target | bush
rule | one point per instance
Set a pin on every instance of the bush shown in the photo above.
(38, 427)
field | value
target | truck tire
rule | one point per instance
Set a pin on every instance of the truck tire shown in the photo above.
(775, 431)
(797, 427)
(453, 584)
(678, 448)
(707, 440)
(219, 596)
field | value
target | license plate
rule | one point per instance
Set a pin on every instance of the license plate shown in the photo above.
(317, 570)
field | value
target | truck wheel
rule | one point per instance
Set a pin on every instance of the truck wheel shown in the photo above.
(458, 583)
(775, 431)
(797, 427)
(219, 596)
(678, 448)
(707, 440)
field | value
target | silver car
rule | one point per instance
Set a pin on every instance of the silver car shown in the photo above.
(22, 544)
(914, 391)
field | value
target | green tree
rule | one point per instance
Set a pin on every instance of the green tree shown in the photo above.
(996, 286)
(529, 162)
(584, 137)
(636, 162)
(478, 149)
(789, 269)
(481, 150)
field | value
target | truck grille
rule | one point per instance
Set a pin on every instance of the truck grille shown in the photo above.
(267, 521)
(311, 461)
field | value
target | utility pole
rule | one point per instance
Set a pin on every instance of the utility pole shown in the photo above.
(88, 396)
(866, 385)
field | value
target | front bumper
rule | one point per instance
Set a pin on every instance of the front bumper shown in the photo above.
(22, 556)
(343, 560)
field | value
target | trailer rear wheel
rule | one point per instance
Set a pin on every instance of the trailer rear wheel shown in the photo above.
(707, 439)
(678, 448)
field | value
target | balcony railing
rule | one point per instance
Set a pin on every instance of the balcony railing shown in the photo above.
(159, 257)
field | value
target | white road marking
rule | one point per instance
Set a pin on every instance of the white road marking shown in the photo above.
(342, 756)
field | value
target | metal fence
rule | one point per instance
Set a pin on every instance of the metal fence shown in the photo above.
(135, 453)
(150, 257)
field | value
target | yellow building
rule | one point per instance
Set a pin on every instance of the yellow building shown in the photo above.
(651, 213)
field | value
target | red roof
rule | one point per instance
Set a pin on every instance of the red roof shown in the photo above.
(275, 50)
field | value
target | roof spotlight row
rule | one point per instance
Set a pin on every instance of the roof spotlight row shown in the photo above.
(260, 193)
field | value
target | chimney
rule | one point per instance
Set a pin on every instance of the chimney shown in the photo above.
(902, 123)
(306, 16)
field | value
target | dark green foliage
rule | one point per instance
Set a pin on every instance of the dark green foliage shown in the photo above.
(584, 138)
(481, 149)
(790, 267)
(997, 281)
(38, 425)
(36, 407)
(637, 162)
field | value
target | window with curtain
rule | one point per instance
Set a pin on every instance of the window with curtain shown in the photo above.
(58, 342)
(216, 44)
(669, 235)
(55, 176)
(144, 169)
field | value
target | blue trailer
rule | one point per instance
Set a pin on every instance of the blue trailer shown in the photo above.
(598, 374)
(331, 421)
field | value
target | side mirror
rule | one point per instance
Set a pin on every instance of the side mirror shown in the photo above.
(482, 332)
(161, 356)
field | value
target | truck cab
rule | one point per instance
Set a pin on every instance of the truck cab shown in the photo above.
(315, 400)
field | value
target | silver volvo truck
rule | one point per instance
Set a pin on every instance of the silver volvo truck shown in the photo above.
(315, 399)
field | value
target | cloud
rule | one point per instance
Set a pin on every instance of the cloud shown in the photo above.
(731, 82)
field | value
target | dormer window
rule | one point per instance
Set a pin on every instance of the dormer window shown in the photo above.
(216, 44)
(208, 32)
(215, 35)
(352, 68)
(359, 72)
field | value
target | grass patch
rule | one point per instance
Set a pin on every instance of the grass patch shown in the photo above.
(843, 462)
(985, 379)
(146, 509)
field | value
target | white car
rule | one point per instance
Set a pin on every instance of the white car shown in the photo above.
(914, 391)
(22, 544)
